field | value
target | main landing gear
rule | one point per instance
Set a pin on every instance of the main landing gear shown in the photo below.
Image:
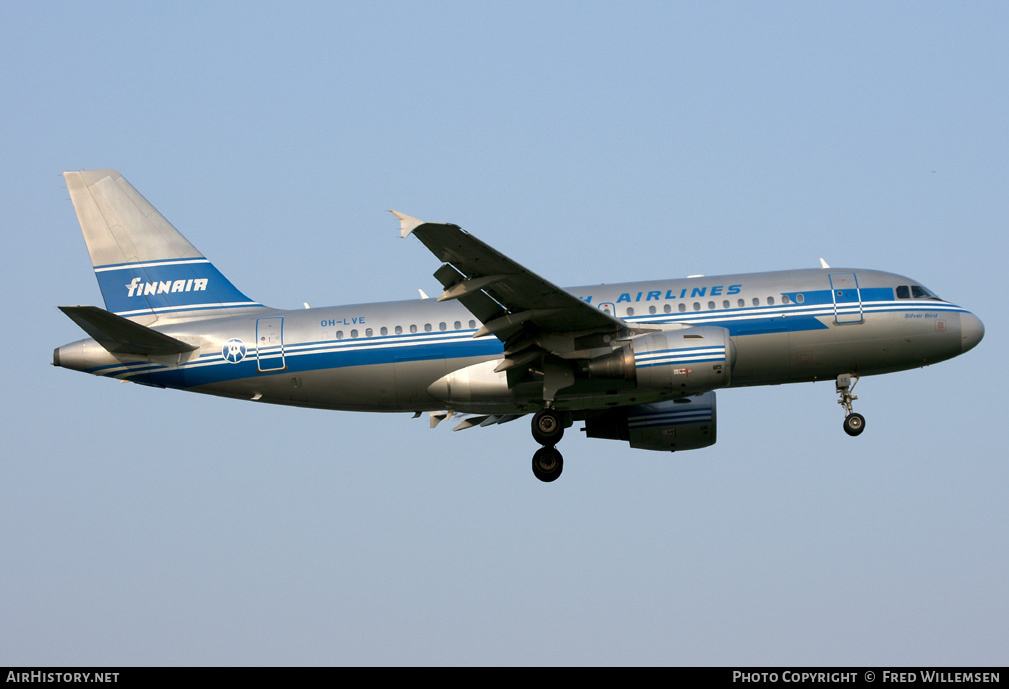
(548, 428)
(854, 423)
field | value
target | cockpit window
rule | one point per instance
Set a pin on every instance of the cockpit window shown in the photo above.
(916, 292)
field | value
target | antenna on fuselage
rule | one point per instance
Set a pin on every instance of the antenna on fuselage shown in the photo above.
(823, 264)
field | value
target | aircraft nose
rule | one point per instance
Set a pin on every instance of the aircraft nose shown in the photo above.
(971, 330)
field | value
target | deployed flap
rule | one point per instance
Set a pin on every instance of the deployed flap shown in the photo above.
(523, 296)
(122, 336)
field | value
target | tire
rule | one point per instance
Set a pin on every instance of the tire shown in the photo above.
(854, 424)
(547, 464)
(548, 427)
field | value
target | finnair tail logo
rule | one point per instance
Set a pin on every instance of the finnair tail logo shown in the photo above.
(136, 288)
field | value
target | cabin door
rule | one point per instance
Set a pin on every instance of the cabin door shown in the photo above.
(270, 344)
(847, 298)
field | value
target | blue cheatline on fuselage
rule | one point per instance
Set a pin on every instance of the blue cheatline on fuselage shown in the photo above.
(794, 317)
(815, 313)
(311, 356)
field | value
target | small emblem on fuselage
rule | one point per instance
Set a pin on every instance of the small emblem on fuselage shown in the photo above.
(234, 350)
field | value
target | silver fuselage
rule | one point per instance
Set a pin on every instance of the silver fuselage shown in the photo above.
(785, 327)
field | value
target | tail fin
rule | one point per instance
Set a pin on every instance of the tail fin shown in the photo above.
(144, 266)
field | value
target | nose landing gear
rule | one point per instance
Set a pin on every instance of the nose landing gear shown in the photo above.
(854, 423)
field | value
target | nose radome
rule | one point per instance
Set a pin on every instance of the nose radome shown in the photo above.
(971, 330)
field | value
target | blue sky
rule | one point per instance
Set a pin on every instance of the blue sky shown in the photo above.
(591, 142)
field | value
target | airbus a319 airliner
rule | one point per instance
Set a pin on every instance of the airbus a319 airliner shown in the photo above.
(638, 362)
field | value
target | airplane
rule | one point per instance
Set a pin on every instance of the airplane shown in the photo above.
(637, 362)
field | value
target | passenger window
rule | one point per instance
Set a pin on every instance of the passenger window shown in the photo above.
(428, 328)
(683, 307)
(799, 298)
(458, 325)
(740, 303)
(339, 334)
(784, 298)
(369, 332)
(756, 301)
(651, 309)
(770, 301)
(725, 304)
(384, 331)
(399, 329)
(413, 328)
(442, 326)
(711, 306)
(667, 308)
(630, 311)
(353, 334)
(472, 324)
(697, 306)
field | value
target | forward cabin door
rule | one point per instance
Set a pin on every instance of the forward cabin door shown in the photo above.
(847, 298)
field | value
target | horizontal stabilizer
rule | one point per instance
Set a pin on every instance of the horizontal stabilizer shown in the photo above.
(122, 336)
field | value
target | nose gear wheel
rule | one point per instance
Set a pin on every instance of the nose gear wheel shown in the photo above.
(854, 423)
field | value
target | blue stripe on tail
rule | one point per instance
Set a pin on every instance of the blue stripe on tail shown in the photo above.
(181, 284)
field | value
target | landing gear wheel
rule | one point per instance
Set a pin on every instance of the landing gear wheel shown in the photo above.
(547, 464)
(547, 427)
(854, 424)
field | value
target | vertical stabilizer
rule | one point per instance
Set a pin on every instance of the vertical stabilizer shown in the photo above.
(145, 267)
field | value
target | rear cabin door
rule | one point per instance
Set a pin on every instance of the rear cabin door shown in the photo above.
(847, 298)
(270, 344)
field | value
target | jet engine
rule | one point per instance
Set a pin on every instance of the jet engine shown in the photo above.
(688, 361)
(687, 423)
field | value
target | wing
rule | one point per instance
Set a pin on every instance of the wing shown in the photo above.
(530, 315)
(515, 295)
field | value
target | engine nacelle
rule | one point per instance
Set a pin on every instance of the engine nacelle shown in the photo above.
(684, 424)
(476, 383)
(688, 361)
